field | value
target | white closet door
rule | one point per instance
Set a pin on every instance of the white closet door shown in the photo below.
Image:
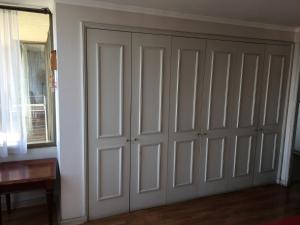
(216, 123)
(109, 93)
(150, 107)
(187, 68)
(276, 71)
(245, 97)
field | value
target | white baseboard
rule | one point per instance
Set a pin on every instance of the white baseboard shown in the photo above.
(74, 221)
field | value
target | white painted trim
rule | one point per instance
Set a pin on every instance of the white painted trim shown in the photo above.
(83, 59)
(174, 14)
(74, 221)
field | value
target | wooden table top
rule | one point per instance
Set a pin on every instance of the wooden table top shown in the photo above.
(27, 171)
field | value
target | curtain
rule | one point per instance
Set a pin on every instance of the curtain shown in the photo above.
(13, 136)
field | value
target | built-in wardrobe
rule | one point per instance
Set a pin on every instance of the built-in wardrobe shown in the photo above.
(172, 118)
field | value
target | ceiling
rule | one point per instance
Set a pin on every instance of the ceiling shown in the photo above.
(277, 12)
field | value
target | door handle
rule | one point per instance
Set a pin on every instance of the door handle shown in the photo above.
(135, 139)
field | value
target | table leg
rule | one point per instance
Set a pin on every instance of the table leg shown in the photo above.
(0, 210)
(8, 206)
(49, 194)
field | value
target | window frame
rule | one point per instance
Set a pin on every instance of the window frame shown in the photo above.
(53, 142)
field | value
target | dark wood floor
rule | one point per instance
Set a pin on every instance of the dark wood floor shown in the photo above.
(249, 207)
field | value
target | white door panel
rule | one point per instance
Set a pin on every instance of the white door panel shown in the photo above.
(268, 152)
(245, 101)
(183, 163)
(149, 164)
(150, 107)
(274, 82)
(187, 69)
(173, 118)
(218, 90)
(214, 159)
(267, 157)
(109, 92)
(214, 163)
(251, 65)
(273, 90)
(242, 156)
(217, 123)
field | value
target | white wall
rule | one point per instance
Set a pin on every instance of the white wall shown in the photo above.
(71, 87)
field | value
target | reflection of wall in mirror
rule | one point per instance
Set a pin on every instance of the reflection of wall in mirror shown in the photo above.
(35, 69)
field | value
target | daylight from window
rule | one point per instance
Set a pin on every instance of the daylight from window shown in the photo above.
(36, 87)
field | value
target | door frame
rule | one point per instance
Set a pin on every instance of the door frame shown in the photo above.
(286, 159)
(289, 116)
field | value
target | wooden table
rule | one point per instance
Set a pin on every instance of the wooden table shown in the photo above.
(28, 175)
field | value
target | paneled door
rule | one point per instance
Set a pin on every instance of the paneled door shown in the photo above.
(245, 99)
(187, 68)
(217, 124)
(109, 96)
(276, 72)
(149, 123)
